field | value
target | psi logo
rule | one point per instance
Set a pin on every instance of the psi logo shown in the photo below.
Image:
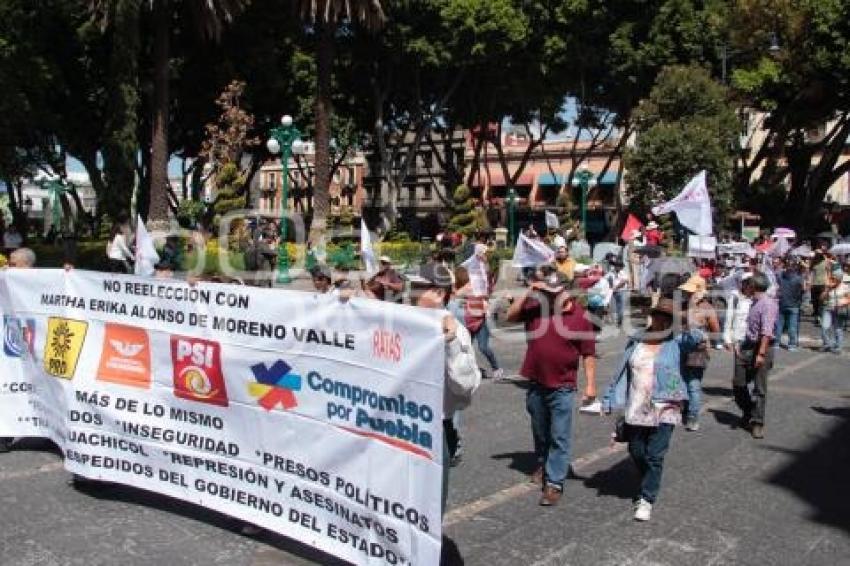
(65, 339)
(126, 357)
(197, 370)
(275, 386)
(18, 336)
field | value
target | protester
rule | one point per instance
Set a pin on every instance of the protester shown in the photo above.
(322, 279)
(559, 337)
(700, 316)
(462, 376)
(650, 388)
(471, 311)
(621, 288)
(821, 267)
(653, 234)
(387, 284)
(834, 313)
(790, 295)
(564, 263)
(21, 258)
(12, 239)
(738, 306)
(754, 358)
(117, 250)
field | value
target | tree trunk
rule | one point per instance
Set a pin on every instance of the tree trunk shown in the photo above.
(324, 112)
(158, 211)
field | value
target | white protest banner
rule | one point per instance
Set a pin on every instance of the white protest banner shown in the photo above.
(552, 221)
(531, 253)
(287, 410)
(702, 246)
(692, 206)
(367, 252)
(146, 256)
(476, 267)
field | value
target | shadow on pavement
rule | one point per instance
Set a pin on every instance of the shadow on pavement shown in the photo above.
(525, 462)
(715, 391)
(32, 444)
(732, 420)
(619, 481)
(818, 474)
(135, 496)
(451, 554)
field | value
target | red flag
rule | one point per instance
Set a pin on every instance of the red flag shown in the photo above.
(632, 224)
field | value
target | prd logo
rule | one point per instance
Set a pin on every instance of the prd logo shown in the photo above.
(275, 386)
(65, 339)
(18, 336)
(197, 370)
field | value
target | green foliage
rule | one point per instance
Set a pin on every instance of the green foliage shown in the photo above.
(229, 191)
(686, 125)
(190, 212)
(466, 219)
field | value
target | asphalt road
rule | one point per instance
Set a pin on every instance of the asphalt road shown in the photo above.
(725, 499)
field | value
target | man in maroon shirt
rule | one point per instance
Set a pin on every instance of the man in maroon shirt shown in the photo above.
(559, 336)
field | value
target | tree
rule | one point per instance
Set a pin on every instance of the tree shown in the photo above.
(227, 141)
(687, 124)
(326, 17)
(209, 17)
(466, 219)
(799, 88)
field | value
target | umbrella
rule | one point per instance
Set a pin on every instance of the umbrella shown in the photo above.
(784, 233)
(802, 251)
(840, 249)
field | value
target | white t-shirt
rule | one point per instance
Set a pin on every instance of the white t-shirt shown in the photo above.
(118, 249)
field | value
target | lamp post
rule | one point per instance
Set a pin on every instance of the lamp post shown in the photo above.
(511, 216)
(285, 139)
(584, 178)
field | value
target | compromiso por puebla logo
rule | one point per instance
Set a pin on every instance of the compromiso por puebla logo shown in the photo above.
(275, 385)
(406, 428)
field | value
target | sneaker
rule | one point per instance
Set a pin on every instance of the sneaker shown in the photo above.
(757, 431)
(551, 496)
(643, 510)
(593, 407)
(692, 425)
(498, 373)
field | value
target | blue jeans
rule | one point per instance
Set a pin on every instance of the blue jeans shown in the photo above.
(693, 382)
(619, 306)
(482, 338)
(551, 412)
(647, 446)
(832, 329)
(788, 319)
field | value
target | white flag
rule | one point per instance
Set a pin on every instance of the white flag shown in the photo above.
(367, 252)
(692, 206)
(477, 271)
(531, 253)
(552, 221)
(146, 256)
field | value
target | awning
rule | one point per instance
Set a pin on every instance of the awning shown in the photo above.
(609, 179)
(496, 179)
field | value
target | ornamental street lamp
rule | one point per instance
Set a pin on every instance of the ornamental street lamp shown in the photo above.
(511, 216)
(286, 140)
(584, 178)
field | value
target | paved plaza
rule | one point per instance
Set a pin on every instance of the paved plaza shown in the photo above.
(725, 499)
